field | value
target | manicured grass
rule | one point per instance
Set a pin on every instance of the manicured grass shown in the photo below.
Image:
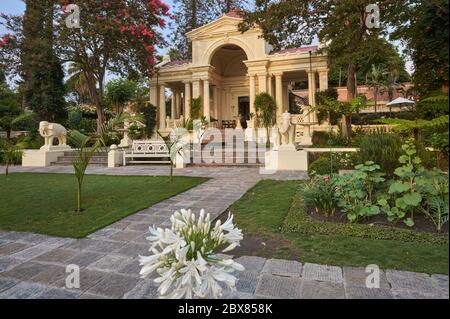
(45, 203)
(274, 211)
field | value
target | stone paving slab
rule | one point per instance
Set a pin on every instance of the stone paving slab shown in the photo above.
(358, 292)
(279, 267)
(356, 276)
(279, 287)
(411, 281)
(313, 289)
(322, 273)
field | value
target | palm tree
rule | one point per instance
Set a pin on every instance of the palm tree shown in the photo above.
(77, 82)
(86, 148)
(10, 153)
(375, 82)
(390, 83)
(266, 113)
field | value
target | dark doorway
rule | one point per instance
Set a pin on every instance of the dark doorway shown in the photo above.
(244, 110)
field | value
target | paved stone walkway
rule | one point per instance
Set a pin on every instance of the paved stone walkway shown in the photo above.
(34, 266)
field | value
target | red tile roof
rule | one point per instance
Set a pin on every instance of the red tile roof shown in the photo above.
(296, 50)
(234, 14)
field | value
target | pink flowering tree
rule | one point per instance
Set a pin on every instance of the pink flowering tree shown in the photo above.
(117, 36)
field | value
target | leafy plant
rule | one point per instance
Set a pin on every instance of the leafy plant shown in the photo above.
(355, 191)
(434, 185)
(407, 197)
(319, 193)
(86, 148)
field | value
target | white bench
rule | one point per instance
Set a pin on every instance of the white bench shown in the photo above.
(148, 150)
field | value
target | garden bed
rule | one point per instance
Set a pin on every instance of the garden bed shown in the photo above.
(421, 223)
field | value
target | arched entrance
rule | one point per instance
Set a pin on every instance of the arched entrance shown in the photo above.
(231, 84)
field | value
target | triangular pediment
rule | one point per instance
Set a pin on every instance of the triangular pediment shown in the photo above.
(220, 26)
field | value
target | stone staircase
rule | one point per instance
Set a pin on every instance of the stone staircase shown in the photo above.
(240, 157)
(99, 159)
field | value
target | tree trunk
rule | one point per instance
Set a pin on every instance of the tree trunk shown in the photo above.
(78, 197)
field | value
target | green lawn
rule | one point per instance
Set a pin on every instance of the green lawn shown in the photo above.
(272, 210)
(45, 203)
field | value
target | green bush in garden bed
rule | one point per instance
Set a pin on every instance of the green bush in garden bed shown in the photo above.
(298, 221)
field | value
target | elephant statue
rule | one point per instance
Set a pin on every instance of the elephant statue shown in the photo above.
(50, 131)
(286, 131)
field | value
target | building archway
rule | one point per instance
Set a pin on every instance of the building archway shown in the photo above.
(230, 88)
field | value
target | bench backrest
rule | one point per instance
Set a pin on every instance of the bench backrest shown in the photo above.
(149, 147)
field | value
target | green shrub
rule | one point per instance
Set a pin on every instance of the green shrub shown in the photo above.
(383, 149)
(331, 163)
(328, 139)
(434, 106)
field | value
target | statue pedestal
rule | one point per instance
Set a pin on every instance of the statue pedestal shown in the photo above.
(44, 156)
(287, 158)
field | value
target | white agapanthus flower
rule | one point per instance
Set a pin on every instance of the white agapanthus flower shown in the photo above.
(186, 258)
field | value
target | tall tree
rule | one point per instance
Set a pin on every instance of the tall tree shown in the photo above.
(423, 26)
(115, 36)
(187, 17)
(41, 70)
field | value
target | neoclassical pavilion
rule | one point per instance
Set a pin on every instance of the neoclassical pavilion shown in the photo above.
(229, 68)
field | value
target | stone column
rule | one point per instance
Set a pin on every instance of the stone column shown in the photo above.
(279, 93)
(323, 80)
(173, 106)
(270, 85)
(154, 95)
(187, 100)
(162, 106)
(206, 102)
(262, 83)
(312, 93)
(196, 89)
(252, 93)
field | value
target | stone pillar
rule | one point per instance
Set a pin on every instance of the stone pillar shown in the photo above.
(323, 80)
(270, 85)
(262, 83)
(162, 106)
(312, 94)
(154, 95)
(173, 105)
(252, 93)
(196, 89)
(187, 100)
(279, 93)
(206, 100)
(178, 103)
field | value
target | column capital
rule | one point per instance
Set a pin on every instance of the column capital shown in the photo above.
(278, 74)
(313, 71)
(187, 82)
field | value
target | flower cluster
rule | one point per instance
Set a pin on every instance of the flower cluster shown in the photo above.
(185, 256)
